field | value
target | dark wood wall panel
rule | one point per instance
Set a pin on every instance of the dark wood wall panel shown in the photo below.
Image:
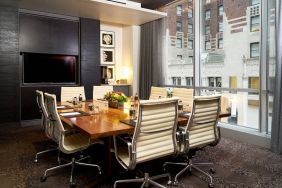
(90, 54)
(9, 65)
(48, 35)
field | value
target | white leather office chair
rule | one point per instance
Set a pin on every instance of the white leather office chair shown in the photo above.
(69, 142)
(68, 93)
(100, 91)
(201, 131)
(154, 137)
(157, 93)
(186, 96)
(44, 122)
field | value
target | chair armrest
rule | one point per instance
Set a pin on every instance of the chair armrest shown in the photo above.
(129, 147)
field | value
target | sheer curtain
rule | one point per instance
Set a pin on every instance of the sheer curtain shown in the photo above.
(151, 56)
(276, 132)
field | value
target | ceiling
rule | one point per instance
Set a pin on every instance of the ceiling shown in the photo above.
(152, 4)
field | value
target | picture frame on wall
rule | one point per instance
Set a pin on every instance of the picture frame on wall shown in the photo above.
(107, 56)
(107, 39)
(108, 73)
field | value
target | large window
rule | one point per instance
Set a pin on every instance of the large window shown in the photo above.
(255, 23)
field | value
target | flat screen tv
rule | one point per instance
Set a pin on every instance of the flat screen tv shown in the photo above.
(49, 69)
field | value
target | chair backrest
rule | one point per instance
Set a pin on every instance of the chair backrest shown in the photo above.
(68, 93)
(155, 131)
(158, 92)
(100, 91)
(202, 127)
(55, 121)
(44, 113)
(186, 96)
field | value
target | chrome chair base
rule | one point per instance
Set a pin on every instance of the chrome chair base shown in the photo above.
(146, 181)
(189, 166)
(43, 152)
(73, 163)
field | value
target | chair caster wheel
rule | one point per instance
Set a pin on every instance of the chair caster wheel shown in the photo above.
(72, 184)
(211, 185)
(100, 172)
(35, 161)
(43, 179)
(175, 183)
(212, 170)
(169, 182)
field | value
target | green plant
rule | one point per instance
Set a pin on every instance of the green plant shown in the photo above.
(115, 96)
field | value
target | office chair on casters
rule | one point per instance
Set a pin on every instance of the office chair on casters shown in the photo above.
(44, 123)
(201, 131)
(69, 142)
(154, 137)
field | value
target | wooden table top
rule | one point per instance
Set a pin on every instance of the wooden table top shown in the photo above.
(107, 122)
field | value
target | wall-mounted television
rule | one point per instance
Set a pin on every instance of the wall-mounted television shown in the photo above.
(49, 68)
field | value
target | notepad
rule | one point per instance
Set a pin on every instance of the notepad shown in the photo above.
(61, 107)
(70, 114)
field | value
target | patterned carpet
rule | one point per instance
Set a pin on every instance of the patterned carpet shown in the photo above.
(237, 164)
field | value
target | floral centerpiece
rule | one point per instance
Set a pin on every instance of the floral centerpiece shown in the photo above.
(116, 99)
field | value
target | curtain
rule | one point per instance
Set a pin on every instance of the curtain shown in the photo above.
(276, 132)
(151, 57)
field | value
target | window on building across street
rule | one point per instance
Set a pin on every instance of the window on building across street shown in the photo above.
(254, 49)
(190, 13)
(253, 82)
(179, 26)
(179, 10)
(220, 10)
(207, 30)
(189, 81)
(233, 82)
(220, 43)
(207, 45)
(255, 2)
(220, 27)
(190, 44)
(178, 43)
(208, 14)
(214, 81)
(255, 23)
(190, 28)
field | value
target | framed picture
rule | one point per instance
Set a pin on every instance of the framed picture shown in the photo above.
(108, 73)
(107, 38)
(107, 56)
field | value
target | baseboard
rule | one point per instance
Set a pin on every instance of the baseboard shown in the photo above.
(247, 135)
(32, 122)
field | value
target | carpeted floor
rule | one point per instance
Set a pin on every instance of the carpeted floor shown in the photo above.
(237, 164)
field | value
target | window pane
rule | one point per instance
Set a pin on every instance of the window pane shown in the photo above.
(179, 52)
(229, 55)
(255, 2)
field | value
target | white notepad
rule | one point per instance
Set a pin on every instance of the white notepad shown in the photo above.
(60, 107)
(70, 114)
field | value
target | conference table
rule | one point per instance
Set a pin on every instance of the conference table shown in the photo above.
(104, 124)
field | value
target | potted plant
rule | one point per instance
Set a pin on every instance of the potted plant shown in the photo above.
(116, 99)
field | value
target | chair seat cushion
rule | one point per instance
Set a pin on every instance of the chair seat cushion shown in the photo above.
(75, 142)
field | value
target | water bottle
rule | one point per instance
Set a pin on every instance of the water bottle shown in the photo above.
(180, 107)
(132, 112)
(80, 98)
(136, 100)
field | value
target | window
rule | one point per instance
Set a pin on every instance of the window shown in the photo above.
(208, 1)
(233, 82)
(220, 10)
(207, 45)
(179, 10)
(173, 80)
(254, 49)
(176, 81)
(253, 82)
(190, 28)
(214, 81)
(255, 23)
(220, 27)
(190, 13)
(255, 2)
(179, 81)
(190, 59)
(220, 43)
(178, 43)
(179, 26)
(189, 81)
(179, 58)
(190, 44)
(208, 14)
(207, 30)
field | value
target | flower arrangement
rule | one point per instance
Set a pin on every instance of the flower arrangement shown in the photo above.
(115, 96)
